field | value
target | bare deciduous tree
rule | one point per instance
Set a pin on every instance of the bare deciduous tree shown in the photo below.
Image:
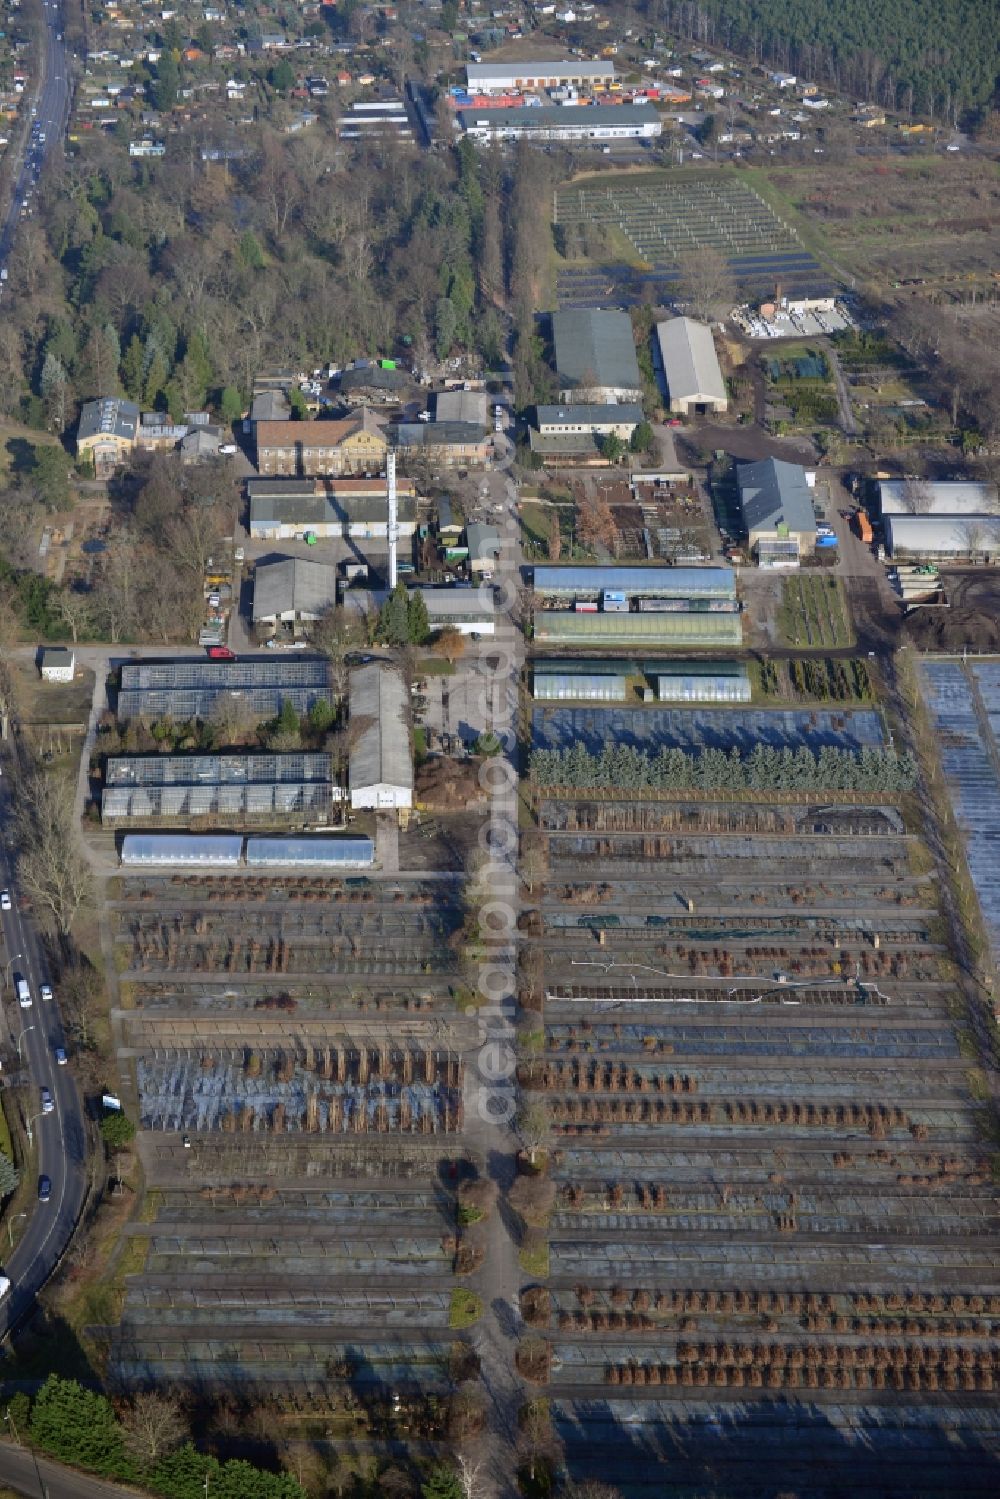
(51, 867)
(706, 284)
(917, 496)
(154, 1425)
(534, 1127)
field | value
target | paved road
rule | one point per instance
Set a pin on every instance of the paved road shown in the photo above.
(59, 1138)
(40, 1478)
(52, 114)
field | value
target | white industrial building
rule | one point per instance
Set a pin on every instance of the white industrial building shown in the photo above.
(470, 611)
(599, 420)
(554, 122)
(943, 538)
(937, 497)
(380, 770)
(691, 367)
(544, 73)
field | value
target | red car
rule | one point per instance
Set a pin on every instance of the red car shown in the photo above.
(221, 653)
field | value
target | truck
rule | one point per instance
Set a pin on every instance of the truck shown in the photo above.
(864, 527)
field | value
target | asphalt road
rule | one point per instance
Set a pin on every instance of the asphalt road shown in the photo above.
(59, 1138)
(50, 119)
(40, 1478)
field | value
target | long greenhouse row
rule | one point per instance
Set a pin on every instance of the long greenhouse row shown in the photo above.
(229, 851)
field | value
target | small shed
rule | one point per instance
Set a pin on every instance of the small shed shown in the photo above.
(57, 664)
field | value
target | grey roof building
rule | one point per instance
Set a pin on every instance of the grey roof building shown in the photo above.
(281, 509)
(270, 406)
(594, 418)
(595, 356)
(471, 406)
(293, 588)
(776, 503)
(936, 497)
(976, 537)
(691, 366)
(484, 546)
(108, 417)
(381, 766)
(556, 123)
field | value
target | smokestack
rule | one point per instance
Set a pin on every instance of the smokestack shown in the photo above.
(393, 524)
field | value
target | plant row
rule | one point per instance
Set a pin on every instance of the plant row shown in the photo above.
(763, 769)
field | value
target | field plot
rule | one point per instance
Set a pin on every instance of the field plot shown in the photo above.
(964, 702)
(665, 217)
(344, 1285)
(306, 930)
(772, 1248)
(706, 728)
(813, 613)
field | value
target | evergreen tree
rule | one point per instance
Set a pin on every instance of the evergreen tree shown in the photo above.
(133, 369)
(418, 626)
(9, 1177)
(79, 1427)
(394, 618)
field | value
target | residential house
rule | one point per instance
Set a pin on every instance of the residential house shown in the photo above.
(355, 445)
(107, 433)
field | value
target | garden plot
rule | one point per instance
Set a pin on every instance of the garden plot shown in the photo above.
(706, 728)
(964, 703)
(668, 218)
(770, 1192)
(342, 1285)
(327, 1090)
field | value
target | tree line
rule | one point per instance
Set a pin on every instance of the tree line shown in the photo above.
(764, 768)
(939, 61)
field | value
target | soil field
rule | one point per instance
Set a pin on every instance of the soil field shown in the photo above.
(775, 1216)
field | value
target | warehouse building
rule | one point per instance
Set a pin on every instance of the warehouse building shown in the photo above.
(292, 590)
(470, 611)
(290, 509)
(226, 787)
(543, 73)
(585, 681)
(595, 356)
(381, 765)
(777, 508)
(691, 371)
(554, 122)
(943, 538)
(948, 497)
(468, 406)
(586, 583)
(701, 682)
(679, 628)
(252, 689)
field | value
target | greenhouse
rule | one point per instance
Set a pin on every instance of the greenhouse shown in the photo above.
(215, 770)
(702, 682)
(311, 853)
(652, 582)
(220, 851)
(671, 628)
(594, 681)
(197, 688)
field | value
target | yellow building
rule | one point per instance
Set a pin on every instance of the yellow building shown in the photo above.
(107, 433)
(355, 445)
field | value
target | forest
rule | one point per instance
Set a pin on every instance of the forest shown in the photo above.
(941, 59)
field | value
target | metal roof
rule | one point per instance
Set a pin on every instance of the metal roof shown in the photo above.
(472, 406)
(937, 497)
(458, 603)
(594, 347)
(655, 582)
(489, 74)
(943, 533)
(433, 434)
(293, 584)
(774, 493)
(380, 754)
(181, 848)
(690, 362)
(484, 541)
(311, 851)
(593, 414)
(324, 509)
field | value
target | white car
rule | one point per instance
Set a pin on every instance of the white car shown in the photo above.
(5, 901)
(45, 990)
(47, 1105)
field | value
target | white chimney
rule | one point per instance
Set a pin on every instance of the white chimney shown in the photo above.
(393, 528)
